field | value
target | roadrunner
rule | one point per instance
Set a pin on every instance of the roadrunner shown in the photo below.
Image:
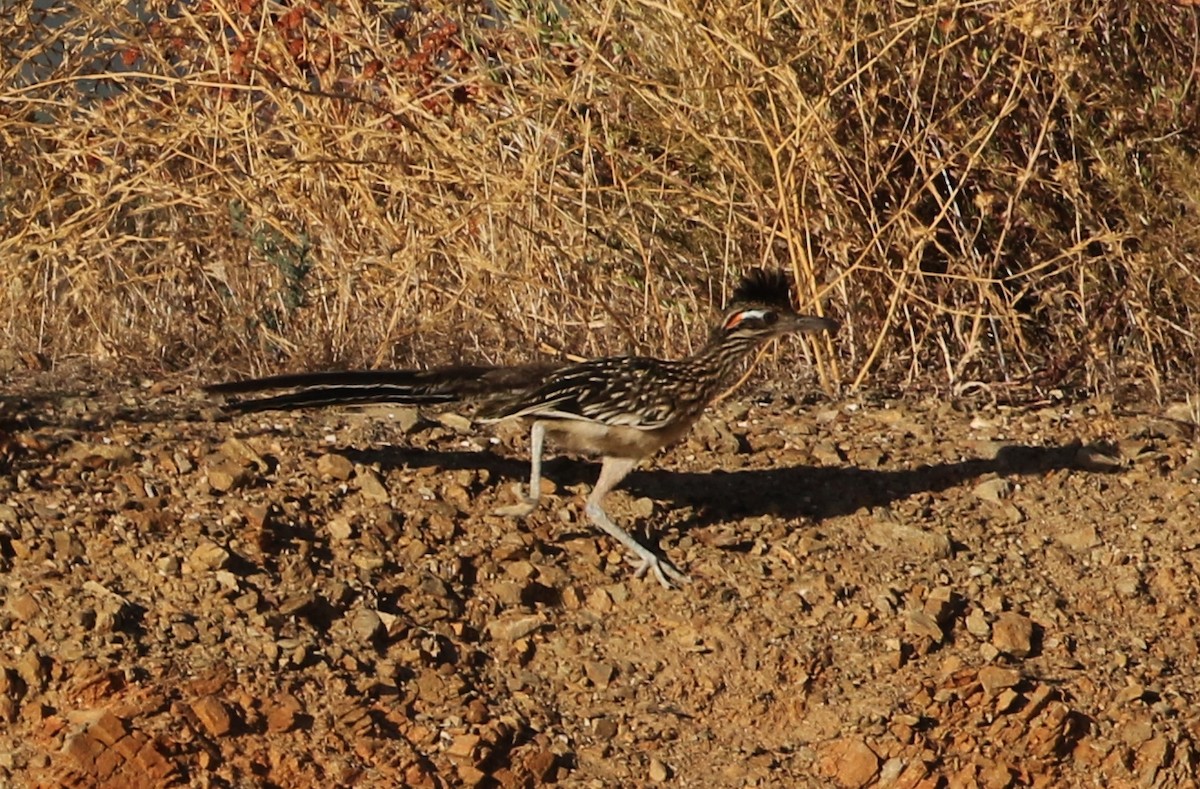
(622, 409)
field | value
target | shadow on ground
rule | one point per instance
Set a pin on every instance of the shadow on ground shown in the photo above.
(816, 492)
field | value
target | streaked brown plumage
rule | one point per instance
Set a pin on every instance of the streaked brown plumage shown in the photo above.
(622, 408)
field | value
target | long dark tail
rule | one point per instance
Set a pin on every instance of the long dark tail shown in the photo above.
(363, 387)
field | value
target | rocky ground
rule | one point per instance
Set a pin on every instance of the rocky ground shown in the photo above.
(895, 593)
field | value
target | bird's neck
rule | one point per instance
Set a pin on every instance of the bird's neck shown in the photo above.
(723, 355)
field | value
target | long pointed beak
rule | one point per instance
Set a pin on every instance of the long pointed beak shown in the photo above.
(809, 324)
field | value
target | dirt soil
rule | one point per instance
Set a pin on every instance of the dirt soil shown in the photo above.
(896, 593)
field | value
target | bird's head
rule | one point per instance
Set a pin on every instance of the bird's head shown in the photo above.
(761, 309)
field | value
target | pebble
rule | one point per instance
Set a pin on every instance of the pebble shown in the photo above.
(366, 625)
(514, 628)
(977, 624)
(456, 422)
(1081, 539)
(226, 475)
(1012, 634)
(886, 532)
(371, 487)
(207, 556)
(919, 623)
(213, 715)
(604, 728)
(993, 491)
(336, 467)
(599, 673)
(849, 762)
(996, 678)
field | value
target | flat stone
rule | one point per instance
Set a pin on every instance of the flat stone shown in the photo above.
(885, 532)
(514, 628)
(599, 673)
(996, 678)
(24, 606)
(993, 491)
(456, 422)
(919, 623)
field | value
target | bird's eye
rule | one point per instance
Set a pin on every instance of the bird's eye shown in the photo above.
(769, 318)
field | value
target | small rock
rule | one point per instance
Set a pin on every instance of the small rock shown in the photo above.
(891, 771)
(406, 418)
(605, 728)
(1151, 758)
(207, 556)
(886, 532)
(514, 628)
(540, 764)
(108, 729)
(996, 678)
(284, 713)
(456, 422)
(993, 491)
(827, 454)
(242, 453)
(366, 625)
(32, 668)
(520, 570)
(1012, 633)
(849, 762)
(977, 624)
(1082, 539)
(919, 623)
(1007, 701)
(658, 771)
(340, 529)
(940, 605)
(337, 467)
(599, 673)
(24, 606)
(464, 747)
(643, 507)
(225, 475)
(371, 487)
(1131, 692)
(599, 601)
(184, 633)
(213, 715)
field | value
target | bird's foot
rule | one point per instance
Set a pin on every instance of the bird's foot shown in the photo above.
(528, 504)
(667, 574)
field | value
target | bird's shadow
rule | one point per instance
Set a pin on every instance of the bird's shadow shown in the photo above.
(798, 491)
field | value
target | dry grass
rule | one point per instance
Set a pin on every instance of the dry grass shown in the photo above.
(1002, 195)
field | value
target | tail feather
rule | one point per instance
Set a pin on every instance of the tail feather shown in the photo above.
(364, 387)
(324, 396)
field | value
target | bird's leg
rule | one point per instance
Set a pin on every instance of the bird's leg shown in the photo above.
(537, 440)
(612, 471)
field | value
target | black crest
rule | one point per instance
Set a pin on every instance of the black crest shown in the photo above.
(761, 286)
